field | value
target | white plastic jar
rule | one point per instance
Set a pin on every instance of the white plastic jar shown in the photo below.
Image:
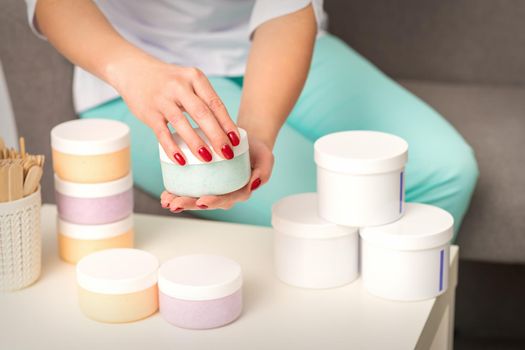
(198, 178)
(118, 285)
(360, 177)
(200, 291)
(310, 252)
(408, 260)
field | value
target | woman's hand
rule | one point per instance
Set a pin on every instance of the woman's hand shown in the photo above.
(261, 159)
(158, 93)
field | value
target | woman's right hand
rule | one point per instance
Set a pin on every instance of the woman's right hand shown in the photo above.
(158, 93)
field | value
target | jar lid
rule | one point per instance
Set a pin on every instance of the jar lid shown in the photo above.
(421, 227)
(361, 152)
(90, 136)
(93, 190)
(117, 271)
(191, 159)
(94, 232)
(297, 216)
(200, 277)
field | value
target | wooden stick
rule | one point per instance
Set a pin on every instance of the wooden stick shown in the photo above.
(4, 183)
(16, 182)
(32, 180)
(22, 143)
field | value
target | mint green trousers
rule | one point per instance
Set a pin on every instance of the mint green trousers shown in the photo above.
(343, 92)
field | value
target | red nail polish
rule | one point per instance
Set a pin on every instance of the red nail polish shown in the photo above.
(203, 206)
(255, 184)
(205, 154)
(179, 158)
(233, 138)
(177, 209)
(227, 152)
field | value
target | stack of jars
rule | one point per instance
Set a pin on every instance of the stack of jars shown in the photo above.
(358, 222)
(93, 186)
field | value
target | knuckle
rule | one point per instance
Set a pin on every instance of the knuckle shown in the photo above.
(158, 129)
(194, 72)
(175, 118)
(216, 104)
(201, 112)
(172, 87)
(159, 101)
(175, 88)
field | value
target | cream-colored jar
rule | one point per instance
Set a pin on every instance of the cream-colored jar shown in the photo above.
(91, 150)
(118, 285)
(76, 241)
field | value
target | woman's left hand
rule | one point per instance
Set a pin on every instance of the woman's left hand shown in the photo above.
(261, 159)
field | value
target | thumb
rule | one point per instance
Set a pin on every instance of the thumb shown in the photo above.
(262, 164)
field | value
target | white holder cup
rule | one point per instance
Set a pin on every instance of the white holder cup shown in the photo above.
(360, 177)
(20, 242)
(408, 260)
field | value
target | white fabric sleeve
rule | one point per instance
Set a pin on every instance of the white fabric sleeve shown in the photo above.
(31, 5)
(265, 10)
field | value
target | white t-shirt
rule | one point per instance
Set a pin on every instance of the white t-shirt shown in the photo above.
(213, 35)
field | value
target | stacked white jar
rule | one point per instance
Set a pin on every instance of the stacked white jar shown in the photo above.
(309, 251)
(361, 184)
(360, 177)
(93, 186)
(407, 260)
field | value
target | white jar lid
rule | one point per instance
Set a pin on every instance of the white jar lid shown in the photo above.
(200, 277)
(117, 271)
(90, 136)
(361, 152)
(297, 216)
(94, 232)
(192, 159)
(422, 226)
(93, 190)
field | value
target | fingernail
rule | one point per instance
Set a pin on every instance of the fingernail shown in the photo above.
(179, 158)
(177, 209)
(233, 138)
(203, 206)
(227, 152)
(205, 154)
(255, 184)
(165, 205)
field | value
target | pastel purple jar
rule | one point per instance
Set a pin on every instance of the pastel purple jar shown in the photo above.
(200, 291)
(94, 204)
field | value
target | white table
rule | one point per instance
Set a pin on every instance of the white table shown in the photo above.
(276, 316)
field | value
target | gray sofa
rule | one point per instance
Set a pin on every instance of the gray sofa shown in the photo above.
(466, 58)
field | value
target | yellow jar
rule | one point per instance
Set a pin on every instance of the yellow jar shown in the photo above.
(76, 241)
(118, 285)
(91, 150)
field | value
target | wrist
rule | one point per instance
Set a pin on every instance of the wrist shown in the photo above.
(263, 133)
(124, 63)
